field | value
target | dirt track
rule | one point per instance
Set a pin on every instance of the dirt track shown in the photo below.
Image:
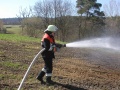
(74, 69)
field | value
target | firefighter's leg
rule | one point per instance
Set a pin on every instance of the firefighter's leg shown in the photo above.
(49, 68)
(41, 75)
(48, 80)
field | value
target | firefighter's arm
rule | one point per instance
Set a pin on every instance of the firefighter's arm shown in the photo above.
(60, 45)
(46, 45)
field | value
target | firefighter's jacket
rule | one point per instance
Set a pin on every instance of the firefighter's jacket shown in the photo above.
(48, 43)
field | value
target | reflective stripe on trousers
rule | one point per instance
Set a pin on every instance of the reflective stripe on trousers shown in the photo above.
(44, 70)
(48, 74)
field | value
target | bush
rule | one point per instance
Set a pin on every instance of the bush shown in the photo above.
(3, 30)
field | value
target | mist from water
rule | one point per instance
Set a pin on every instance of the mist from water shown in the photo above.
(103, 42)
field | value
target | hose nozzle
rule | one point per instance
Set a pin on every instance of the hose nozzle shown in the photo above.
(60, 45)
(64, 45)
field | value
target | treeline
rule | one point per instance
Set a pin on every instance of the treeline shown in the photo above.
(10, 21)
(88, 22)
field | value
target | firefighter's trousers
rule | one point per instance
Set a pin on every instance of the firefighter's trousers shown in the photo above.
(48, 67)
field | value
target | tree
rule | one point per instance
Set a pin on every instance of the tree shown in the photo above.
(1, 24)
(62, 19)
(44, 10)
(112, 12)
(54, 12)
(32, 26)
(2, 29)
(23, 14)
(112, 9)
(89, 14)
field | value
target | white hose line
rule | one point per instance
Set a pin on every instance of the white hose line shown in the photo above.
(29, 68)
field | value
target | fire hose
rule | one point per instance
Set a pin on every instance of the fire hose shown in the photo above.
(35, 58)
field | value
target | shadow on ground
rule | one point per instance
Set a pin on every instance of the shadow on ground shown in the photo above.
(70, 87)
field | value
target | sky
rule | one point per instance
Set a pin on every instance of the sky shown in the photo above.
(10, 8)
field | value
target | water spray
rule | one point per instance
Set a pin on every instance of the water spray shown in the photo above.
(35, 58)
(104, 42)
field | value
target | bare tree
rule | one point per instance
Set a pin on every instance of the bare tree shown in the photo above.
(2, 29)
(1, 25)
(63, 18)
(112, 12)
(112, 9)
(44, 10)
(23, 14)
(54, 12)
(32, 26)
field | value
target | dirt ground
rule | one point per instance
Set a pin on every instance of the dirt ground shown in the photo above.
(73, 68)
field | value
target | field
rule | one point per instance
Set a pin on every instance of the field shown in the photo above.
(73, 68)
(16, 29)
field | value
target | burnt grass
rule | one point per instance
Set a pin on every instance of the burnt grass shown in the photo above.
(73, 68)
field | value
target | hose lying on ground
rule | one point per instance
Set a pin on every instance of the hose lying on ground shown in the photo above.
(35, 58)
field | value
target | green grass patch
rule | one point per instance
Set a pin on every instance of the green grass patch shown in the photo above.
(10, 64)
(12, 76)
(1, 76)
(18, 38)
(13, 65)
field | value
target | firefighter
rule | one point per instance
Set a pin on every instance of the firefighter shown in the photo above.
(48, 42)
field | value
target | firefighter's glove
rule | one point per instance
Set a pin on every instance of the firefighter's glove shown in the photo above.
(59, 45)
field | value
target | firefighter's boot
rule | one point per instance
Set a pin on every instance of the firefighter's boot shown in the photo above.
(40, 77)
(49, 81)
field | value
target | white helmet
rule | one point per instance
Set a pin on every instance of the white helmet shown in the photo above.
(51, 28)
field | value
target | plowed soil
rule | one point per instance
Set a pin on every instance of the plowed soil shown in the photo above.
(73, 68)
